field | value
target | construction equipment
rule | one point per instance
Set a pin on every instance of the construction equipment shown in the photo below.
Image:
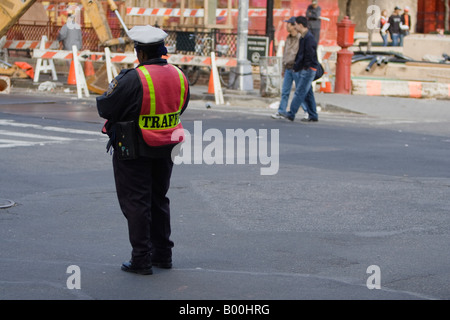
(100, 24)
(379, 58)
(98, 83)
(114, 9)
(11, 11)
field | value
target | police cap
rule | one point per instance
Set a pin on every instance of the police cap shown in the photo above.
(147, 35)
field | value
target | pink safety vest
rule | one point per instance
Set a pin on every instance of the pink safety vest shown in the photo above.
(165, 91)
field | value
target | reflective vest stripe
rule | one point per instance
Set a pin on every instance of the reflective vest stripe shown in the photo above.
(151, 90)
(183, 89)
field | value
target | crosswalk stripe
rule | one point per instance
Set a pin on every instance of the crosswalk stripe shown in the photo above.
(32, 139)
(12, 123)
(7, 143)
(33, 136)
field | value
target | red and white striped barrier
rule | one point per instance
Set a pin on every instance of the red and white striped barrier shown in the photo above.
(125, 58)
(192, 13)
(199, 13)
(44, 65)
(163, 12)
(201, 61)
(130, 58)
(29, 44)
(52, 54)
(406, 89)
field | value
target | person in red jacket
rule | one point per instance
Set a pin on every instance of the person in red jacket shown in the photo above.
(405, 25)
(143, 108)
(384, 26)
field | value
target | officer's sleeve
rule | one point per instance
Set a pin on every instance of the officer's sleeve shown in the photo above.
(122, 99)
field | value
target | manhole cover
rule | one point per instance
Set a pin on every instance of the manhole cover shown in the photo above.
(6, 203)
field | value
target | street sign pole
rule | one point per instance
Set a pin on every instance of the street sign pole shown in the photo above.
(244, 75)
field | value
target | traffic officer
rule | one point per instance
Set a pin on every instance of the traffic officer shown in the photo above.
(143, 107)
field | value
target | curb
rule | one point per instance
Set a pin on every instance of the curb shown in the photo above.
(407, 89)
(232, 97)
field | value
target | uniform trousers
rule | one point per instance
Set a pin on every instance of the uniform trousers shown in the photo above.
(142, 185)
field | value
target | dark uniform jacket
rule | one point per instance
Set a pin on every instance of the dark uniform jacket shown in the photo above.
(307, 53)
(123, 101)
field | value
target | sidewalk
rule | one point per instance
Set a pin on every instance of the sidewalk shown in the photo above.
(375, 106)
(393, 108)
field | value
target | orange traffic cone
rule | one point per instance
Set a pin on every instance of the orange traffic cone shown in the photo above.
(88, 68)
(326, 87)
(71, 79)
(211, 83)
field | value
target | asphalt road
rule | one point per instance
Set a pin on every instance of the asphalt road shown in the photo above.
(350, 203)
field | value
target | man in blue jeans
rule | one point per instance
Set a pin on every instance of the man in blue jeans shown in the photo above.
(395, 21)
(306, 65)
(290, 76)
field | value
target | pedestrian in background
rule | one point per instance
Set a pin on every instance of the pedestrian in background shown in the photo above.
(395, 21)
(313, 13)
(70, 33)
(383, 27)
(143, 108)
(405, 25)
(289, 75)
(306, 64)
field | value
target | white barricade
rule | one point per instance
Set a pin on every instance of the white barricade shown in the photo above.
(109, 58)
(324, 55)
(218, 94)
(44, 65)
(79, 74)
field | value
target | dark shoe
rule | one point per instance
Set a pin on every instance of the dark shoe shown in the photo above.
(310, 120)
(129, 267)
(290, 118)
(162, 263)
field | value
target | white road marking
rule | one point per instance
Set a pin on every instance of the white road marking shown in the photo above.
(12, 123)
(33, 136)
(26, 139)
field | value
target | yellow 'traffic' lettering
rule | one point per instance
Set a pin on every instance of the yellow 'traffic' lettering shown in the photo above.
(159, 121)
